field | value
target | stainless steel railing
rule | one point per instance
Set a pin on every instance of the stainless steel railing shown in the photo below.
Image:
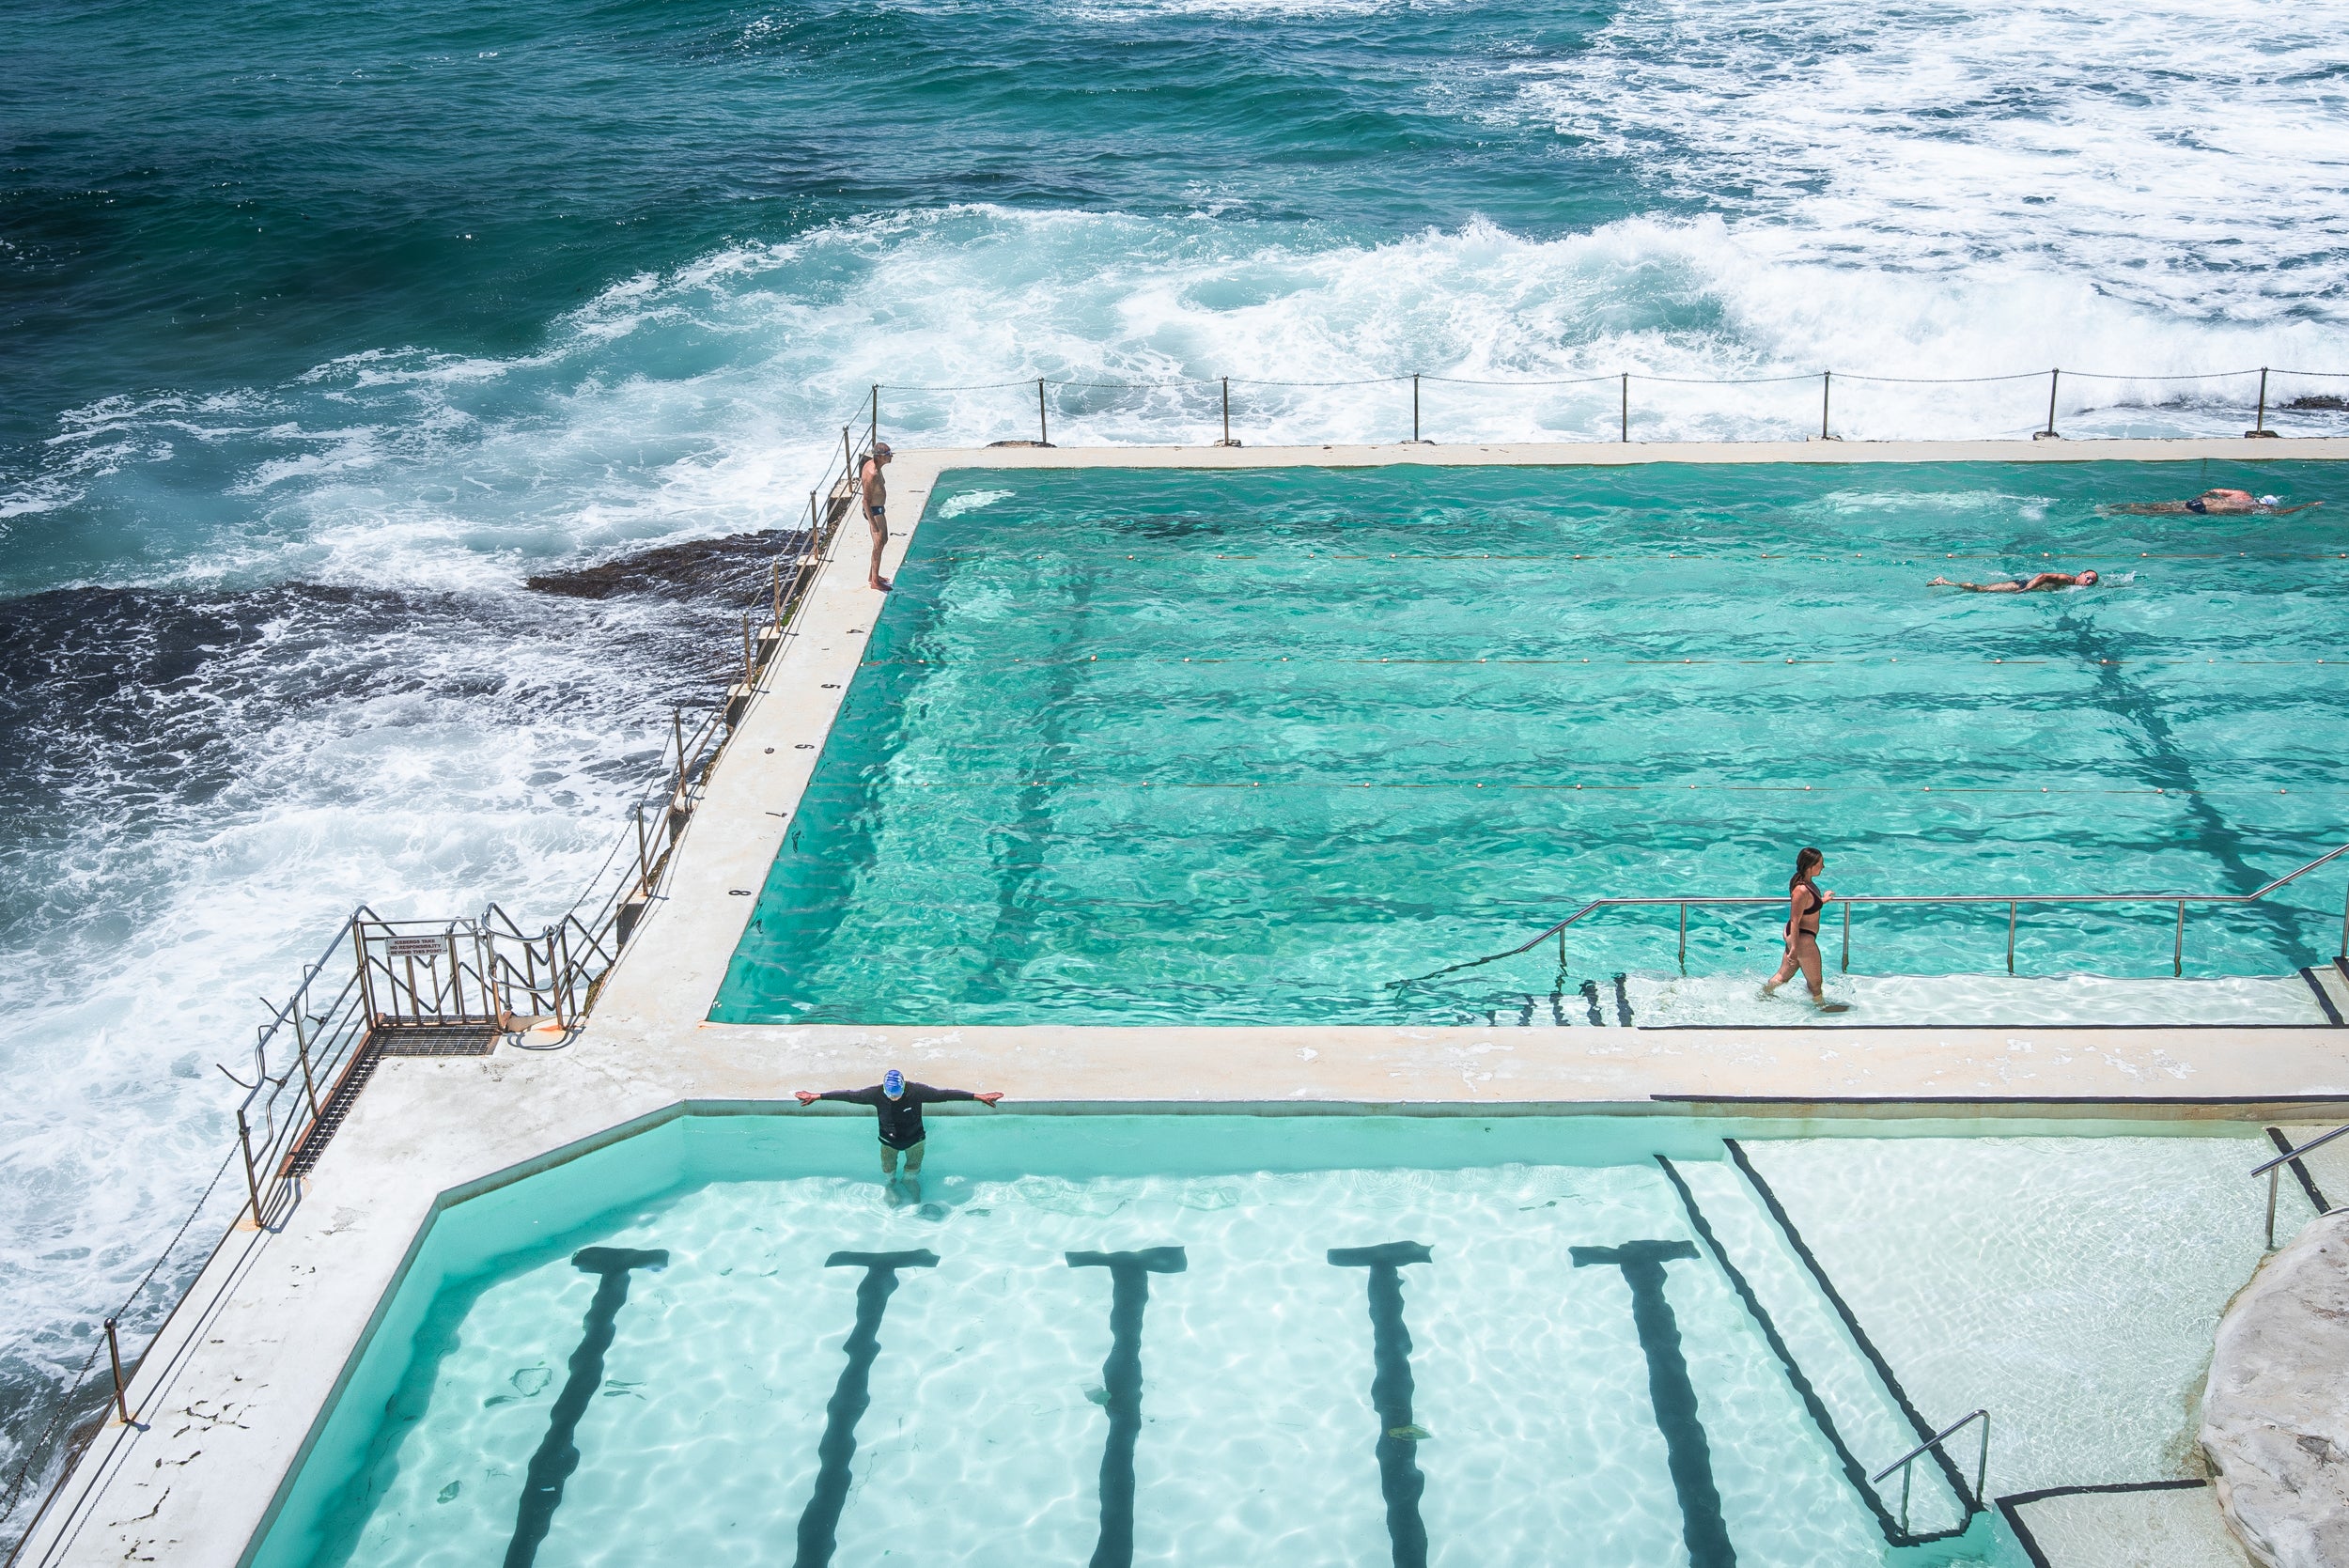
(2273, 1169)
(378, 976)
(2012, 901)
(1907, 1462)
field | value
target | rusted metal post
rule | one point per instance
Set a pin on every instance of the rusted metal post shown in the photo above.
(366, 981)
(644, 855)
(776, 620)
(122, 1396)
(302, 1046)
(252, 1182)
(749, 669)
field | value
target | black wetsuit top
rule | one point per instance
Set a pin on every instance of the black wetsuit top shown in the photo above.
(900, 1118)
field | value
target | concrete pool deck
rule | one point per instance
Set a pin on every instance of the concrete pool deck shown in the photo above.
(228, 1395)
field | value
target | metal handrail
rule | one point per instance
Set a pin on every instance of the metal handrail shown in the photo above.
(497, 975)
(1981, 1463)
(2012, 901)
(2272, 1171)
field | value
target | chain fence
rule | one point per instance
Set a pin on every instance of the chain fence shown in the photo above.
(2261, 392)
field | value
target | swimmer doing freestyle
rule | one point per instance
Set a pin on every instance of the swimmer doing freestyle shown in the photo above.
(2213, 504)
(2037, 582)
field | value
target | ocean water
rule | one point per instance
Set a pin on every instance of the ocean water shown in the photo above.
(1148, 746)
(325, 331)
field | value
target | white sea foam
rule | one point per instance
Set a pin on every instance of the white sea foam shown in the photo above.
(970, 501)
(1958, 190)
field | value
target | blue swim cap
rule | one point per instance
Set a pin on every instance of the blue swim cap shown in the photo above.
(893, 1082)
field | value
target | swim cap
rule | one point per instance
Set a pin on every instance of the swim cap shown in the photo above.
(893, 1082)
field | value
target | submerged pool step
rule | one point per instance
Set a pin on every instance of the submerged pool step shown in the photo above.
(1594, 1003)
(1848, 1394)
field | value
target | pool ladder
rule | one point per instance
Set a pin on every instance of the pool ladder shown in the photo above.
(2273, 1171)
(2012, 901)
(1905, 1464)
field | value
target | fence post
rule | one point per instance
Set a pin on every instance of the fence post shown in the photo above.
(1846, 967)
(677, 728)
(644, 855)
(847, 458)
(775, 619)
(1227, 413)
(1683, 937)
(2054, 377)
(1414, 408)
(1626, 408)
(749, 669)
(122, 1398)
(366, 981)
(1043, 432)
(252, 1182)
(2259, 425)
(301, 1047)
(1827, 379)
(2177, 954)
(873, 440)
(2010, 936)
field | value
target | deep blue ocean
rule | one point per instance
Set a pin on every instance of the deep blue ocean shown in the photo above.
(323, 329)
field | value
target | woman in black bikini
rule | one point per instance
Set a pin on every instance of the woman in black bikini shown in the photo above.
(1803, 903)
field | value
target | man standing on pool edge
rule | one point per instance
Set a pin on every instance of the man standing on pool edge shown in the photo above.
(899, 1105)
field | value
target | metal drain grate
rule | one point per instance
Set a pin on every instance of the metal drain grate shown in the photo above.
(437, 1040)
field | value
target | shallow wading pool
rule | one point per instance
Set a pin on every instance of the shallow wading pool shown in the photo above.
(1305, 1340)
(1244, 747)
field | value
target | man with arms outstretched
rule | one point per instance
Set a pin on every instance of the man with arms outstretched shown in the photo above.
(899, 1105)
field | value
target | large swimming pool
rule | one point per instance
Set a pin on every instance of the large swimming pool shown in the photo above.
(1305, 1341)
(1243, 746)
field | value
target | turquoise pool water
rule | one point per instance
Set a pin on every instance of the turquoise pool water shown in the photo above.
(1312, 1341)
(1241, 747)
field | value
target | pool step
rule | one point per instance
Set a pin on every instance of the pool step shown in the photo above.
(1598, 1004)
(2330, 983)
(1850, 1395)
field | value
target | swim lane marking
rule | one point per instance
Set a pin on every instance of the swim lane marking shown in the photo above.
(1399, 1477)
(558, 1452)
(1121, 1378)
(1687, 1453)
(820, 1523)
